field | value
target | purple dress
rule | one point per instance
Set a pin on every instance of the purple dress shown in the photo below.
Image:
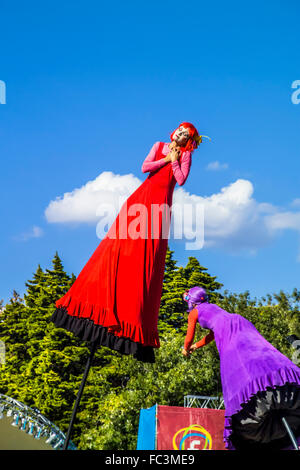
(249, 365)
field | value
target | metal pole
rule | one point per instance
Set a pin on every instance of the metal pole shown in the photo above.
(290, 433)
(87, 368)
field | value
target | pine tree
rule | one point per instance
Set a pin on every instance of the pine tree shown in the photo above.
(44, 364)
(34, 287)
(196, 275)
(170, 266)
(172, 314)
(13, 332)
(167, 303)
(58, 282)
(31, 370)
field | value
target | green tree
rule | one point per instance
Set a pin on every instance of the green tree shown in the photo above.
(275, 316)
(43, 363)
(173, 308)
(196, 275)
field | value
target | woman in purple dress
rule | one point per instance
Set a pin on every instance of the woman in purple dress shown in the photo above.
(261, 386)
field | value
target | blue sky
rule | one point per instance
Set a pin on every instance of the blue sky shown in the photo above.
(90, 86)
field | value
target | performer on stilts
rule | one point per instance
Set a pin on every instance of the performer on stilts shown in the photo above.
(100, 307)
(115, 300)
(261, 386)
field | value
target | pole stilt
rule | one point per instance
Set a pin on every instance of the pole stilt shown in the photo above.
(290, 433)
(87, 368)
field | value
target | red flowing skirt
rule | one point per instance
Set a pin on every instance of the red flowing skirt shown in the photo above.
(115, 299)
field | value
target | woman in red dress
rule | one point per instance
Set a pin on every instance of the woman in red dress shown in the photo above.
(115, 299)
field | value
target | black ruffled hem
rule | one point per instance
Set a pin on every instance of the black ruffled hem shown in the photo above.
(86, 330)
(259, 424)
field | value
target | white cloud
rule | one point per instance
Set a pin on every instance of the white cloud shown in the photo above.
(34, 232)
(296, 202)
(284, 221)
(233, 219)
(217, 166)
(81, 204)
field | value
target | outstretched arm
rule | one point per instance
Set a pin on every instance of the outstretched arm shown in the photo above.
(149, 163)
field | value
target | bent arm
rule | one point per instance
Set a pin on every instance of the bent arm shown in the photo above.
(149, 163)
(206, 340)
(181, 172)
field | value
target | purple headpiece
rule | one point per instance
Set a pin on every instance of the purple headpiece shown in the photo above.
(196, 295)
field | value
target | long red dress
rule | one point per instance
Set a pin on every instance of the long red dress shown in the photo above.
(116, 297)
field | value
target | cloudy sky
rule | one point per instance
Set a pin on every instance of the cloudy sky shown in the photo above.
(90, 87)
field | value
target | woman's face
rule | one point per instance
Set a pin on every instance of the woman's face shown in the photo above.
(181, 136)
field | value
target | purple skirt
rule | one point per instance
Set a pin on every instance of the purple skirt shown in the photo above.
(259, 383)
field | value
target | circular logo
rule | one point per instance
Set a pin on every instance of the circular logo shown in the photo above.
(195, 436)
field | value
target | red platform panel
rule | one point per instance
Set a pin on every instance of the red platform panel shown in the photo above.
(189, 428)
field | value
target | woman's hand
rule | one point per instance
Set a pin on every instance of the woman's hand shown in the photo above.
(172, 156)
(192, 349)
(175, 154)
(185, 352)
(167, 158)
